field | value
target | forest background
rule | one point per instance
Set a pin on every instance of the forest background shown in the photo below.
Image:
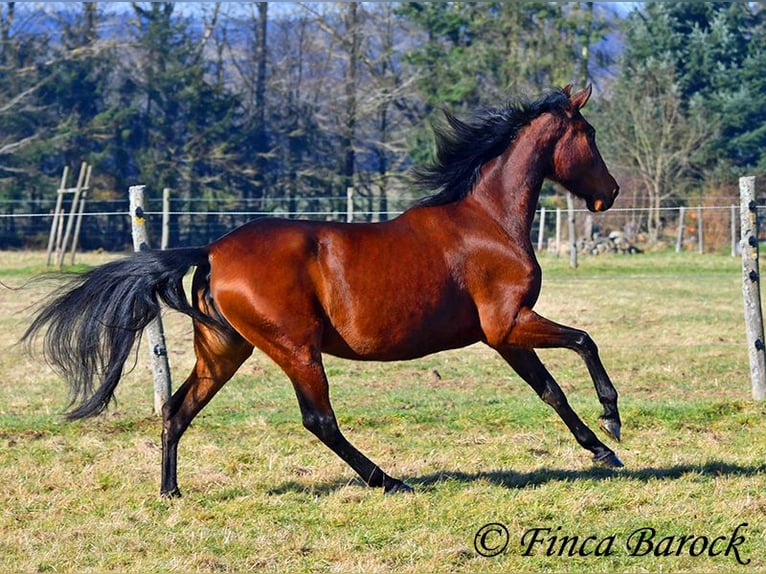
(269, 106)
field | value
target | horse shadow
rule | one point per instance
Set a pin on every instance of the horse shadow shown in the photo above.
(518, 480)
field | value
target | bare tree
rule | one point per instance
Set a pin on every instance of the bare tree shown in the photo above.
(650, 132)
(385, 102)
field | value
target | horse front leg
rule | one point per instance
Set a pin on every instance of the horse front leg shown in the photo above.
(532, 331)
(528, 365)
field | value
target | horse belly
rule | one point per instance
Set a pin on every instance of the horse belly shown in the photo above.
(388, 326)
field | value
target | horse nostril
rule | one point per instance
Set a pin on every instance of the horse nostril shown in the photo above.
(615, 192)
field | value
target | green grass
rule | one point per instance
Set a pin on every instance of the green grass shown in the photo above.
(262, 494)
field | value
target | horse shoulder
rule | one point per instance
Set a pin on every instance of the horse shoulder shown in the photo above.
(503, 279)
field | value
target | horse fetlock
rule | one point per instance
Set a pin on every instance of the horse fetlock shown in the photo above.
(169, 494)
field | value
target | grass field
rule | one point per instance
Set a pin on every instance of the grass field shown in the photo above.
(261, 493)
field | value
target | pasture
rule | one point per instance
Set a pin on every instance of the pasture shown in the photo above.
(262, 494)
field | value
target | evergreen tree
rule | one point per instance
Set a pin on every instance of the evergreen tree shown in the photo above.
(80, 77)
(172, 115)
(716, 50)
(689, 105)
(486, 53)
(27, 146)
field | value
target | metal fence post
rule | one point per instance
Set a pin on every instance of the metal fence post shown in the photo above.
(572, 232)
(680, 232)
(165, 219)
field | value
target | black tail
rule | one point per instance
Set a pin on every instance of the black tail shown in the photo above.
(93, 321)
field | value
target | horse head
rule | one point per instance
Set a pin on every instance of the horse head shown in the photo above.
(577, 162)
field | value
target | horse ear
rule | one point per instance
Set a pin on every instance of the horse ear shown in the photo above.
(567, 90)
(578, 101)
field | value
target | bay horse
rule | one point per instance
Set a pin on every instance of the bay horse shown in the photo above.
(456, 268)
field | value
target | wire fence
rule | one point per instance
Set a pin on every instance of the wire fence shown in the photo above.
(106, 223)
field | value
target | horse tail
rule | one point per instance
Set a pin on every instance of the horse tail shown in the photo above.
(95, 318)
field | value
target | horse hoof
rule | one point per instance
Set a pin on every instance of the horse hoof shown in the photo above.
(610, 427)
(397, 486)
(168, 494)
(608, 460)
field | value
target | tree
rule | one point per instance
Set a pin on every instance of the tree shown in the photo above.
(689, 105)
(172, 114)
(260, 132)
(22, 75)
(80, 76)
(475, 54)
(717, 52)
(351, 47)
(386, 108)
(249, 64)
(736, 54)
(653, 132)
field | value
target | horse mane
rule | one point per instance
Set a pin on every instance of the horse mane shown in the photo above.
(464, 146)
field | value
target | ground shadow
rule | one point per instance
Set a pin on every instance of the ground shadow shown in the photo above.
(512, 479)
(518, 480)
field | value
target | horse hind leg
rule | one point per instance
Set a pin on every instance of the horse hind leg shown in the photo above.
(306, 371)
(220, 353)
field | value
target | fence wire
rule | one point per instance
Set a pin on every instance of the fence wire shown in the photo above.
(106, 223)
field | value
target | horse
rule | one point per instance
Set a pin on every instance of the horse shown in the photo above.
(456, 268)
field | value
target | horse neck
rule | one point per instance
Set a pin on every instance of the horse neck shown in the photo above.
(509, 186)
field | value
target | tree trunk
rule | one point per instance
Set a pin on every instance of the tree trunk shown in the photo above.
(349, 129)
(260, 144)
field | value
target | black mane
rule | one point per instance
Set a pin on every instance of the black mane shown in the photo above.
(462, 147)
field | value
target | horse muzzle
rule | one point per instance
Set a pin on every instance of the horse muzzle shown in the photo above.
(599, 205)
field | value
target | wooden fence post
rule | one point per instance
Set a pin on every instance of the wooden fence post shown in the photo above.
(78, 223)
(165, 219)
(62, 247)
(751, 287)
(57, 214)
(58, 241)
(572, 232)
(154, 332)
(349, 204)
(680, 232)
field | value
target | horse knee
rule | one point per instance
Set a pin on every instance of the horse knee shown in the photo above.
(323, 426)
(553, 395)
